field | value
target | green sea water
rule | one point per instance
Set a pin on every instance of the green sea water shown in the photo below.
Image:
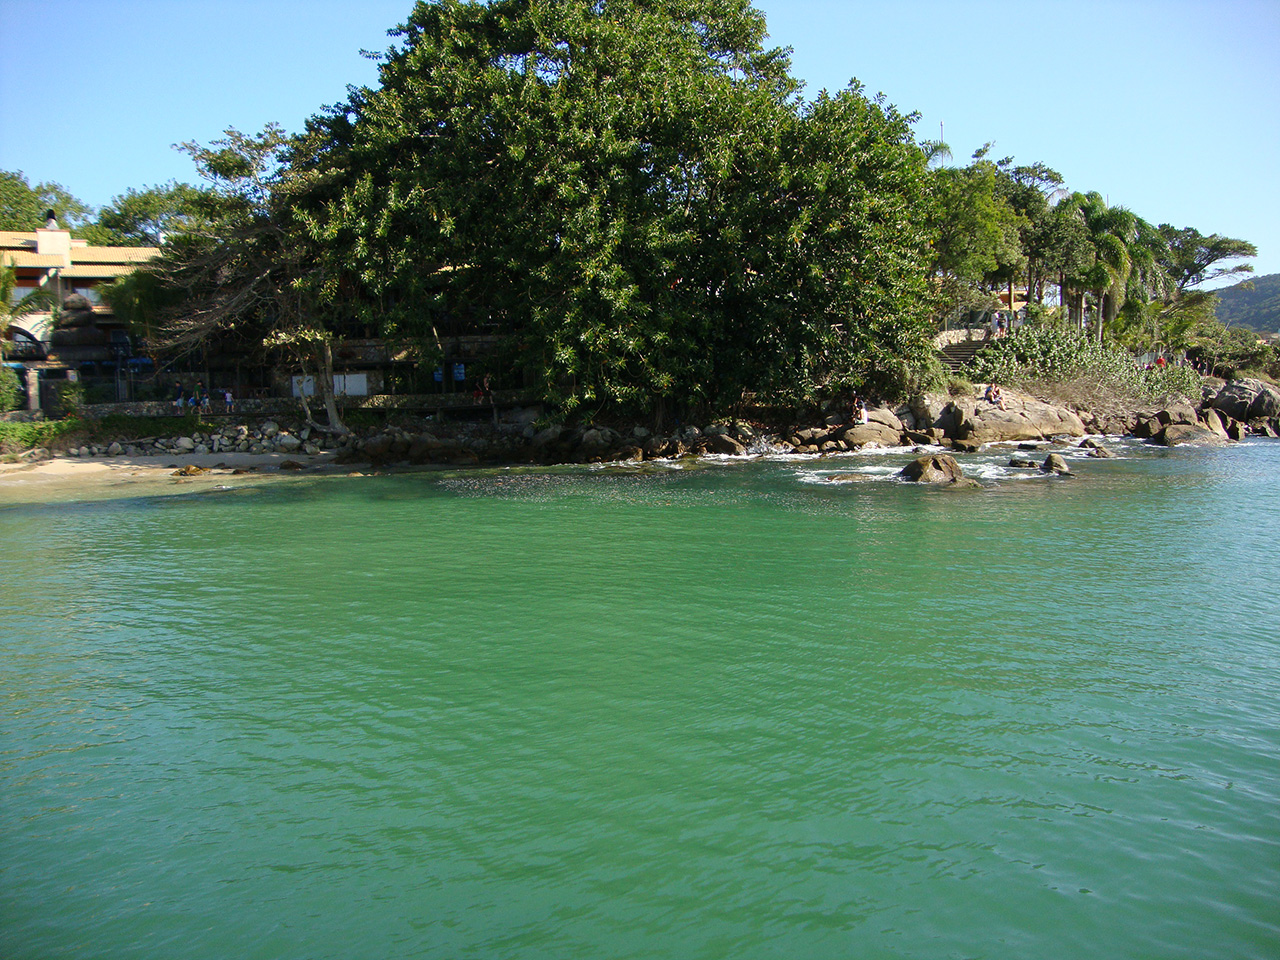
(726, 710)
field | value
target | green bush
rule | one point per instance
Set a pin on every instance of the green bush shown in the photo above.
(16, 437)
(959, 387)
(68, 397)
(10, 389)
(1045, 354)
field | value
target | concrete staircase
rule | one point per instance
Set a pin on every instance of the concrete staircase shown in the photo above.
(955, 356)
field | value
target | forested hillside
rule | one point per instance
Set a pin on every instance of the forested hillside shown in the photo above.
(1258, 309)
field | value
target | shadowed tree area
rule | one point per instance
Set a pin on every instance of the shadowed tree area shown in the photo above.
(633, 195)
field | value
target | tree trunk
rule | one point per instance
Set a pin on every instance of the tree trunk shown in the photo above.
(324, 377)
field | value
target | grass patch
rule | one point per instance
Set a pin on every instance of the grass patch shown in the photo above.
(73, 431)
(16, 437)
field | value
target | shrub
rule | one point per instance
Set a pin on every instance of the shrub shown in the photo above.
(959, 387)
(10, 389)
(68, 397)
(1047, 355)
(15, 437)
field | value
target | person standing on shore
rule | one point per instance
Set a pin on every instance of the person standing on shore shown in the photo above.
(179, 395)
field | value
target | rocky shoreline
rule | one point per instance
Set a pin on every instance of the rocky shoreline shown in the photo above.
(966, 424)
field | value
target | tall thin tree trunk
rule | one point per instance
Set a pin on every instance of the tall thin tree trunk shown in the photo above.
(324, 361)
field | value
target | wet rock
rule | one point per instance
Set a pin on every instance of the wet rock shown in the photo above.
(935, 468)
(1025, 419)
(190, 470)
(1102, 453)
(1177, 413)
(548, 436)
(724, 443)
(1021, 463)
(629, 453)
(1177, 434)
(1055, 463)
(290, 465)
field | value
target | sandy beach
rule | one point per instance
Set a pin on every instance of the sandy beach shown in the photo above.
(63, 479)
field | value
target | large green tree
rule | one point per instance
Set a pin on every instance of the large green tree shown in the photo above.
(23, 205)
(1193, 258)
(146, 217)
(632, 193)
(978, 233)
(1127, 263)
(242, 266)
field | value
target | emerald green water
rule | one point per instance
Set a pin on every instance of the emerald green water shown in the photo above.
(728, 711)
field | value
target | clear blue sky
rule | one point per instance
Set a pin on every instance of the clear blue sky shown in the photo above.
(1169, 107)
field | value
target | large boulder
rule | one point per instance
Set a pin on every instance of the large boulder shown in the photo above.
(1025, 419)
(723, 443)
(935, 468)
(1180, 412)
(1177, 434)
(1247, 399)
(1215, 421)
(882, 427)
(1055, 463)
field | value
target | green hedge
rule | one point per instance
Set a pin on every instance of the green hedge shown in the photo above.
(16, 437)
(10, 389)
(1046, 354)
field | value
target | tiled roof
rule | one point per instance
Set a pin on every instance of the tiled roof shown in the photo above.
(11, 238)
(21, 258)
(91, 270)
(114, 254)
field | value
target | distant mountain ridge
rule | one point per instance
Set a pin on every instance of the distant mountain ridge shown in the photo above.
(1258, 309)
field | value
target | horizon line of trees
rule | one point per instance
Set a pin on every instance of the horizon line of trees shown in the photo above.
(636, 198)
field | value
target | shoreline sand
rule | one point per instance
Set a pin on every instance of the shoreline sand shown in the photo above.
(63, 479)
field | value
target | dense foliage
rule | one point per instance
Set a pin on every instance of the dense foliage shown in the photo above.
(10, 389)
(23, 205)
(1034, 354)
(633, 201)
(631, 194)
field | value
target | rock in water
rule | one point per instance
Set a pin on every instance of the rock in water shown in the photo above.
(1055, 463)
(1025, 419)
(935, 468)
(1176, 434)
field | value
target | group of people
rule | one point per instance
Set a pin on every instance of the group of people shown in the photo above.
(199, 398)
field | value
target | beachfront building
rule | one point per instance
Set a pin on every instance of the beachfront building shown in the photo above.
(77, 335)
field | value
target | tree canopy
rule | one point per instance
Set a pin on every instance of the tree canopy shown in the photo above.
(632, 194)
(23, 205)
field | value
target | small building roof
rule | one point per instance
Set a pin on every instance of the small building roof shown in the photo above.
(21, 258)
(89, 271)
(113, 254)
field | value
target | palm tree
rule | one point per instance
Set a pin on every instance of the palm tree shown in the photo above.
(36, 301)
(1126, 264)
